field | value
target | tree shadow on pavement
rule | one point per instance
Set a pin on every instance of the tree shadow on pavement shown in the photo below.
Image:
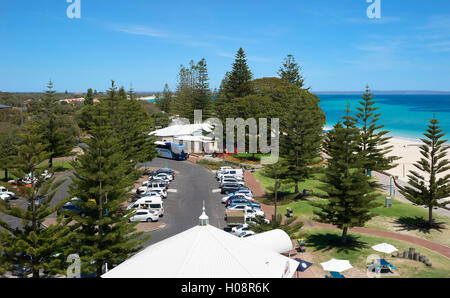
(418, 224)
(326, 242)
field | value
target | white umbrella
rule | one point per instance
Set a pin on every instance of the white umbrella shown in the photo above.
(336, 265)
(384, 248)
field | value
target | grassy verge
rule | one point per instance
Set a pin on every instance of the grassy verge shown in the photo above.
(313, 183)
(212, 165)
(324, 244)
(401, 217)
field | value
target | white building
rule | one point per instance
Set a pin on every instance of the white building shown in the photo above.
(192, 136)
(205, 251)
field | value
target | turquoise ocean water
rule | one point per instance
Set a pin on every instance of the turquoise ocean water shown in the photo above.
(403, 115)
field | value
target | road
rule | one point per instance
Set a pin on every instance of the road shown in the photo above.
(193, 184)
(61, 194)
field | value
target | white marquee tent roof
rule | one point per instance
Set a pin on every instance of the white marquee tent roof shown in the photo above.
(274, 240)
(205, 251)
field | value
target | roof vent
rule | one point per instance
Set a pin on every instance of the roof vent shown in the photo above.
(203, 219)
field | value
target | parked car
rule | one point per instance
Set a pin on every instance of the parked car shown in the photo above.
(167, 171)
(245, 234)
(145, 215)
(234, 172)
(38, 201)
(241, 200)
(228, 180)
(250, 213)
(6, 194)
(154, 203)
(46, 175)
(237, 196)
(221, 170)
(246, 192)
(151, 185)
(164, 176)
(5, 197)
(239, 229)
(71, 207)
(229, 188)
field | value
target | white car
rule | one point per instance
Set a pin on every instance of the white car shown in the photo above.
(246, 234)
(46, 175)
(239, 229)
(164, 176)
(250, 212)
(154, 193)
(222, 169)
(223, 177)
(234, 172)
(145, 215)
(6, 194)
(5, 197)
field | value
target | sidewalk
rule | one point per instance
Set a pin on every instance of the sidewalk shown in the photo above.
(384, 182)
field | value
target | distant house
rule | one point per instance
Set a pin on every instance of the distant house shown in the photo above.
(3, 107)
(76, 100)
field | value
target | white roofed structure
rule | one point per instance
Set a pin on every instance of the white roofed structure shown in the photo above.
(182, 130)
(205, 251)
(275, 240)
(192, 136)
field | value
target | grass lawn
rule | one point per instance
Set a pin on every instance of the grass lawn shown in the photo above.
(313, 184)
(401, 217)
(324, 244)
(212, 165)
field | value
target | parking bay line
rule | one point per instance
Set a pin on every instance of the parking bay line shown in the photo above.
(172, 190)
(216, 190)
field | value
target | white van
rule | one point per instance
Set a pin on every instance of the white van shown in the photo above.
(153, 203)
(238, 173)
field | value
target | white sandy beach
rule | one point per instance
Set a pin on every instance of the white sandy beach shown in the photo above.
(409, 152)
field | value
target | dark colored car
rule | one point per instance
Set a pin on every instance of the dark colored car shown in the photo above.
(240, 200)
(229, 188)
(70, 207)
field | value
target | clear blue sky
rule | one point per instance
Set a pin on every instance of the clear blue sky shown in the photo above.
(143, 42)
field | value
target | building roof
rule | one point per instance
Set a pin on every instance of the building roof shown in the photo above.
(182, 130)
(5, 107)
(205, 251)
(274, 240)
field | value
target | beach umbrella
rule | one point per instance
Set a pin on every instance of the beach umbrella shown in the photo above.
(303, 265)
(384, 248)
(336, 265)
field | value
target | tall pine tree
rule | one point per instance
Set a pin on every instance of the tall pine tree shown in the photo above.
(351, 196)
(202, 92)
(302, 127)
(103, 174)
(432, 183)
(33, 245)
(238, 82)
(372, 147)
(291, 71)
(52, 121)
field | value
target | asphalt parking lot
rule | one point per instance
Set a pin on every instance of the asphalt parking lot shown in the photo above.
(193, 184)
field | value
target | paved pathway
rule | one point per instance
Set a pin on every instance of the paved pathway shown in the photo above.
(384, 181)
(269, 210)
